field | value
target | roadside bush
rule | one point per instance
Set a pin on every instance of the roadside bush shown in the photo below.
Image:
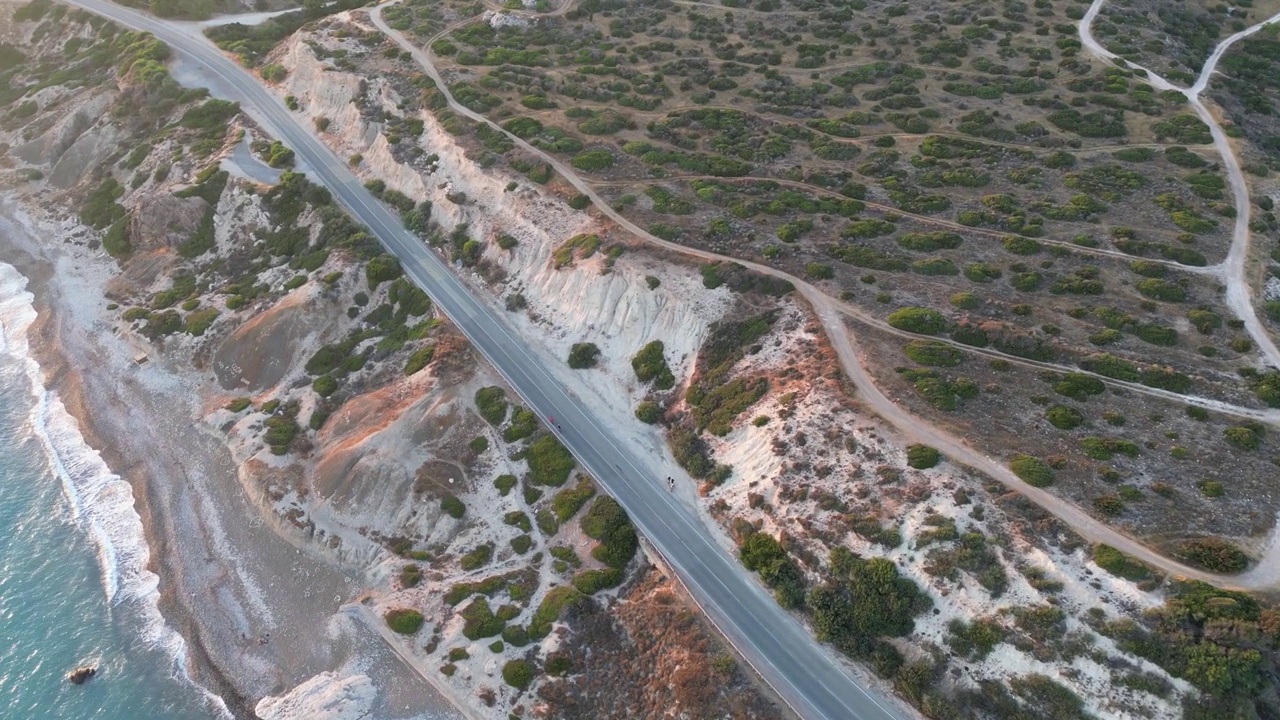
(403, 621)
(569, 501)
(1079, 386)
(648, 412)
(1243, 437)
(583, 356)
(1165, 290)
(1033, 471)
(549, 462)
(863, 600)
(491, 402)
(918, 320)
(608, 523)
(592, 160)
(922, 457)
(1119, 564)
(1213, 554)
(762, 553)
(382, 268)
(477, 558)
(590, 582)
(932, 353)
(419, 359)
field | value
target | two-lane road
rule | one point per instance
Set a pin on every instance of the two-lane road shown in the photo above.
(805, 674)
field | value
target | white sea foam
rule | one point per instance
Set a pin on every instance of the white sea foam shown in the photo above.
(99, 501)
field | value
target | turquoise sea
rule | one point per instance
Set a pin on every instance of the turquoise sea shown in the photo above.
(74, 584)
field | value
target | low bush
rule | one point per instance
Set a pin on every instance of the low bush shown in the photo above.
(1213, 554)
(583, 356)
(403, 620)
(518, 673)
(549, 462)
(477, 558)
(608, 523)
(569, 501)
(1119, 564)
(922, 457)
(491, 402)
(452, 506)
(932, 353)
(762, 553)
(553, 605)
(918, 320)
(649, 412)
(590, 582)
(1032, 470)
(650, 364)
(1064, 418)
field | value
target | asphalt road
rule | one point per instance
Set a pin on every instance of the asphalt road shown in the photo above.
(805, 674)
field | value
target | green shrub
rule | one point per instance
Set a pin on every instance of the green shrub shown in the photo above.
(965, 301)
(1079, 386)
(1019, 245)
(549, 462)
(608, 523)
(491, 402)
(478, 444)
(325, 385)
(1119, 564)
(504, 484)
(1033, 471)
(922, 457)
(199, 321)
(553, 605)
(477, 558)
(569, 501)
(480, 621)
(515, 636)
(918, 320)
(1245, 438)
(521, 544)
(592, 160)
(524, 422)
(452, 506)
(763, 554)
(1064, 418)
(239, 404)
(583, 355)
(649, 412)
(650, 364)
(1213, 554)
(403, 620)
(932, 353)
(590, 582)
(974, 641)
(518, 673)
(382, 268)
(518, 518)
(1165, 290)
(419, 359)
(1101, 448)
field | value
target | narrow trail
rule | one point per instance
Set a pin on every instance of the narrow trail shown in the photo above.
(1239, 294)
(1265, 574)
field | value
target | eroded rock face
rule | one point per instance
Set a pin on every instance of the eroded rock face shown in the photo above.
(52, 144)
(163, 219)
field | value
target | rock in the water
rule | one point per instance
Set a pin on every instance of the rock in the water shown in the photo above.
(81, 674)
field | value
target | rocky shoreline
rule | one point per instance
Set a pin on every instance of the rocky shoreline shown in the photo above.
(247, 601)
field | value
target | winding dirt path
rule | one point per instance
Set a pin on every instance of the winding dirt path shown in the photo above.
(829, 316)
(1239, 294)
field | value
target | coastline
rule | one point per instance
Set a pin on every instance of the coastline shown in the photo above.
(259, 613)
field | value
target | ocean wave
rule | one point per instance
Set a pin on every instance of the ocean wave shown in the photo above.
(99, 501)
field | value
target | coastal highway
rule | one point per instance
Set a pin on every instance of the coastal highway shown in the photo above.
(805, 674)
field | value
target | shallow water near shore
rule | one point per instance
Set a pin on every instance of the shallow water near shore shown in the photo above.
(73, 585)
